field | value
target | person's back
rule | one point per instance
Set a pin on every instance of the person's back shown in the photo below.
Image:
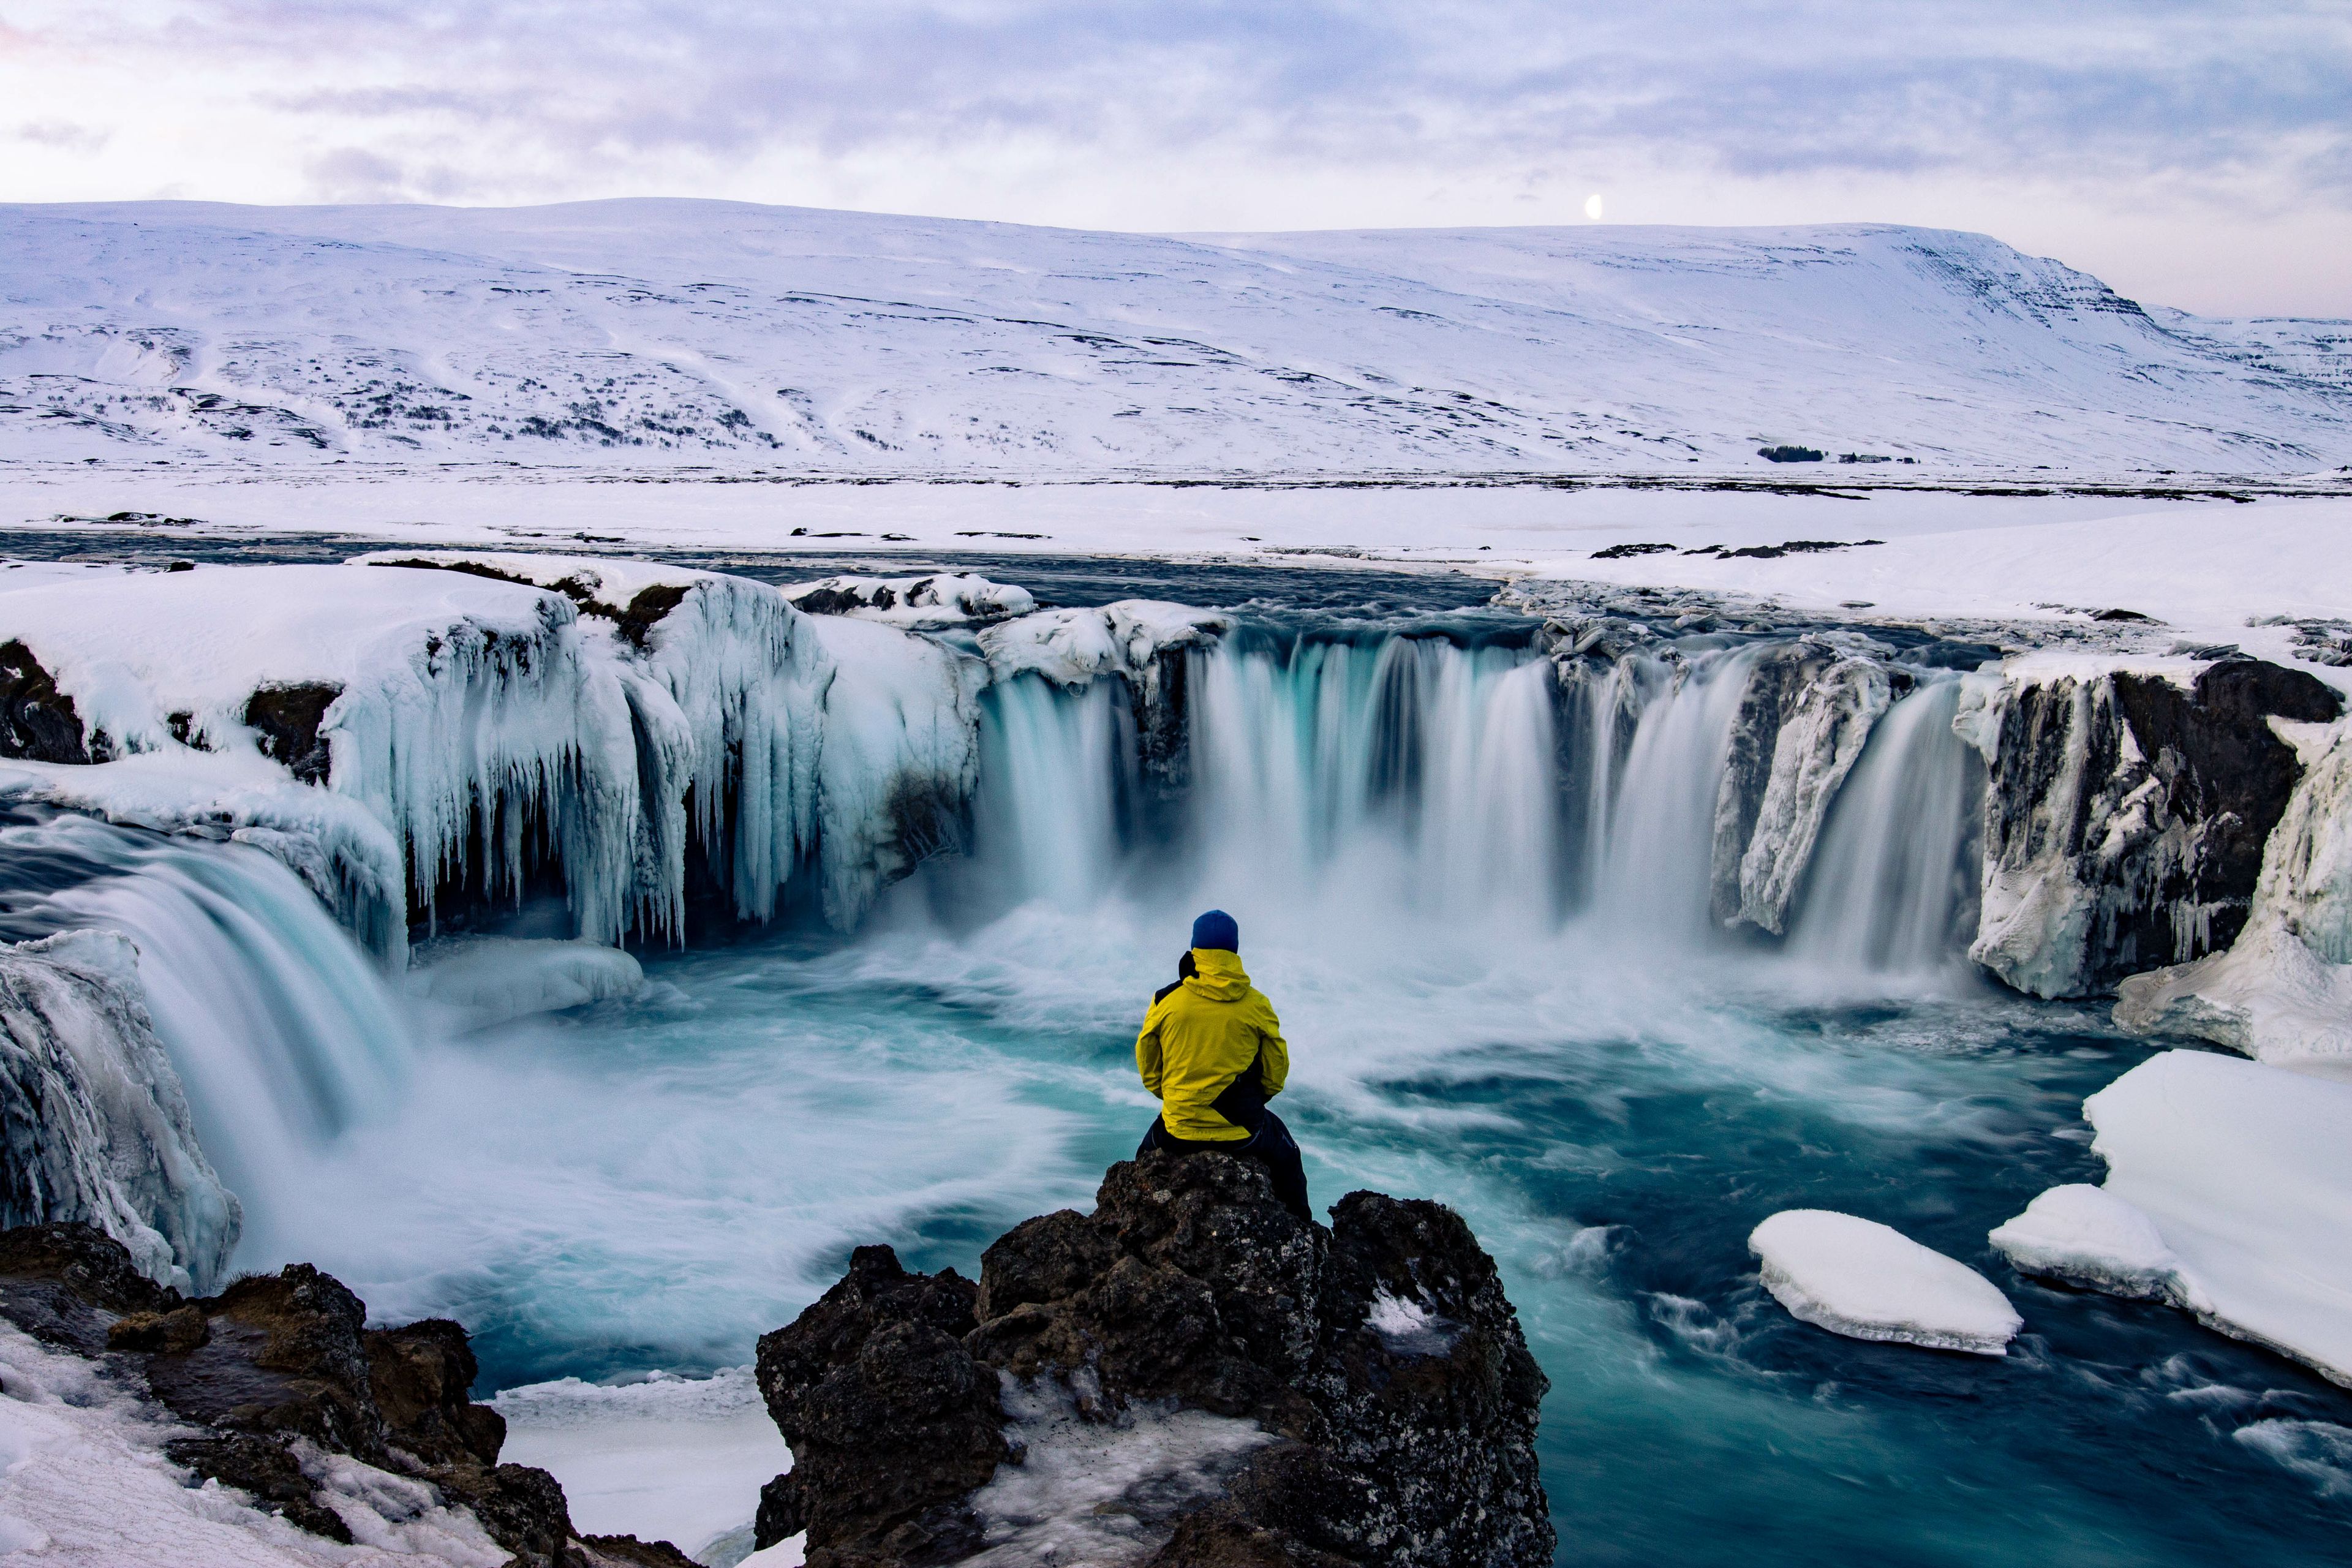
(1211, 1050)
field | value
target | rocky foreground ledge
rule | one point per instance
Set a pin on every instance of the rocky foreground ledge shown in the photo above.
(276, 1387)
(1189, 1375)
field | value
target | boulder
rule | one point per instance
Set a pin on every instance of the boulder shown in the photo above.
(2126, 816)
(1194, 1375)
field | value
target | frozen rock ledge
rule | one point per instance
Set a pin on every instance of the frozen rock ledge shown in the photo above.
(1188, 1375)
(1869, 1281)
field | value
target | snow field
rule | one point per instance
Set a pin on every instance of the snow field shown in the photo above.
(742, 337)
(1869, 1281)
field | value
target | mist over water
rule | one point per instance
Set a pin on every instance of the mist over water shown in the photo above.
(1483, 915)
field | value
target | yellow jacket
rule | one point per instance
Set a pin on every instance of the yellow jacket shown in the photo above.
(1201, 1037)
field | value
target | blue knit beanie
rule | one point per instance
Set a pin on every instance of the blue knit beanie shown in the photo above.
(1216, 929)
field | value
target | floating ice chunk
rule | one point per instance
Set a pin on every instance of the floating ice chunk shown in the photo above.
(2246, 1172)
(2086, 1236)
(1869, 1281)
(941, 599)
(671, 1458)
(477, 981)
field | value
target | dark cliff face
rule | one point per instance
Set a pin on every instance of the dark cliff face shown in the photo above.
(281, 1357)
(2141, 809)
(1394, 1392)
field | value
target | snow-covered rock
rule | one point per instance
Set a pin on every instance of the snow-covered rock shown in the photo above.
(85, 1479)
(723, 685)
(2086, 1236)
(96, 1125)
(1869, 1281)
(466, 713)
(2127, 812)
(939, 600)
(2283, 991)
(662, 1458)
(1072, 647)
(456, 709)
(2243, 1173)
(477, 981)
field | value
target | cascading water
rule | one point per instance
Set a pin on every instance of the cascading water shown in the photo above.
(1892, 872)
(283, 1032)
(1474, 878)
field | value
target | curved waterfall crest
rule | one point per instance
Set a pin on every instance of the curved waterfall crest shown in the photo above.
(658, 742)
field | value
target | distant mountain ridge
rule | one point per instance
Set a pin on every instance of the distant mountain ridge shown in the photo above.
(676, 333)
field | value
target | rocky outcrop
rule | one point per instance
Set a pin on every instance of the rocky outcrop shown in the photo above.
(2283, 990)
(37, 721)
(279, 1369)
(1189, 1374)
(2126, 816)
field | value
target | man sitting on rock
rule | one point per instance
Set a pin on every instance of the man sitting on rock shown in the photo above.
(1211, 1050)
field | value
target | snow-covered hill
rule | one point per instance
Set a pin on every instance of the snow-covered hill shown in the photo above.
(667, 334)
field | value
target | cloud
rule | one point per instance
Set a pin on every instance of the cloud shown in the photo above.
(1162, 113)
(1750, 89)
(63, 135)
(356, 175)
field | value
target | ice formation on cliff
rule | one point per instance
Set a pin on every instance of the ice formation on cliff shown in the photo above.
(97, 1125)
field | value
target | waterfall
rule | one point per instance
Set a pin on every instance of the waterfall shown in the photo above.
(1466, 785)
(1891, 875)
(1653, 820)
(282, 1030)
(1055, 769)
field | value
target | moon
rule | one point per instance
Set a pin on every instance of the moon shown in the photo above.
(1593, 206)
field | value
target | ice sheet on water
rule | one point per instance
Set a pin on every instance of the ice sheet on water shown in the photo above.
(1869, 1281)
(663, 1457)
(2242, 1172)
(2087, 1236)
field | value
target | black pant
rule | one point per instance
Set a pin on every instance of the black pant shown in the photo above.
(1271, 1146)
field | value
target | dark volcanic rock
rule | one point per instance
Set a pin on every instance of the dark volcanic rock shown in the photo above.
(1383, 1354)
(67, 1284)
(287, 718)
(891, 1421)
(2126, 817)
(37, 721)
(275, 1359)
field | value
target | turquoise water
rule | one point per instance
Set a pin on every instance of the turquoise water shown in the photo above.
(1614, 1103)
(655, 1183)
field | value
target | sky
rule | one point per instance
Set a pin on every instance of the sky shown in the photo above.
(2191, 153)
